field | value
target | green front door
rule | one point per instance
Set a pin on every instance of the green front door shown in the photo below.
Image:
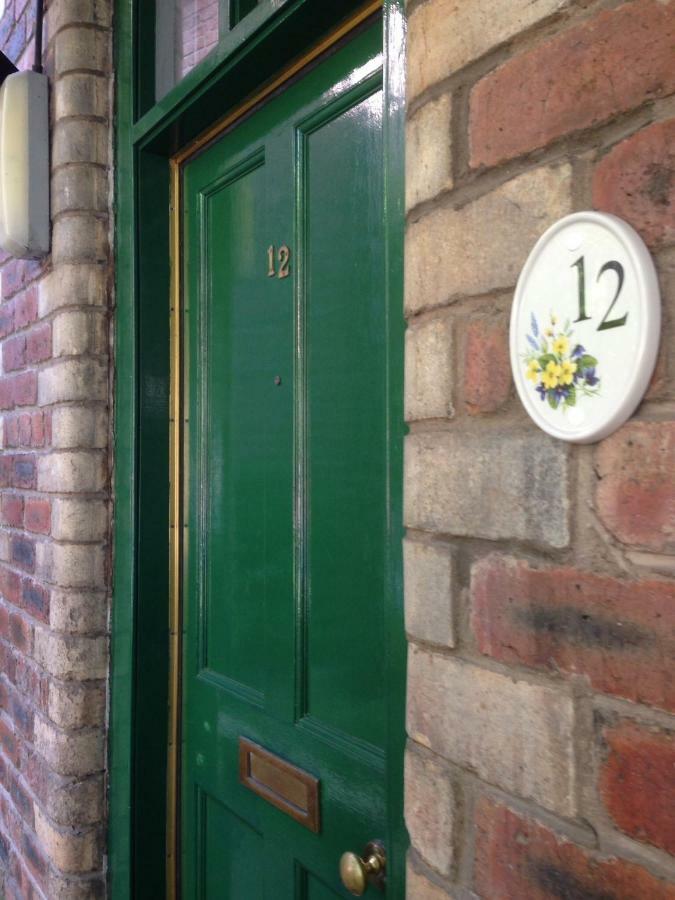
(288, 540)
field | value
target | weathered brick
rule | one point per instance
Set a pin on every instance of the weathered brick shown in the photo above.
(79, 331)
(620, 634)
(483, 246)
(635, 492)
(73, 704)
(518, 857)
(637, 782)
(70, 656)
(71, 565)
(71, 471)
(488, 484)
(429, 151)
(636, 181)
(429, 370)
(78, 612)
(72, 285)
(487, 366)
(14, 353)
(12, 510)
(77, 519)
(77, 426)
(584, 76)
(80, 237)
(81, 49)
(35, 599)
(81, 94)
(513, 734)
(69, 851)
(37, 516)
(69, 752)
(429, 592)
(39, 343)
(23, 552)
(80, 140)
(26, 308)
(419, 887)
(72, 379)
(430, 809)
(445, 35)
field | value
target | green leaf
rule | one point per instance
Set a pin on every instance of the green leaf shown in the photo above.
(546, 359)
(552, 400)
(587, 362)
(571, 399)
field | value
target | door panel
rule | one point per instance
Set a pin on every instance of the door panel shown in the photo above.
(286, 482)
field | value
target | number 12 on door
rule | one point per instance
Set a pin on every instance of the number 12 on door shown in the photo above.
(283, 257)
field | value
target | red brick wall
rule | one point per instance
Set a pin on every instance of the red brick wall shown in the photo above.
(54, 491)
(540, 589)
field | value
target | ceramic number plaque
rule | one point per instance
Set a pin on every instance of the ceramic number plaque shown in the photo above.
(585, 327)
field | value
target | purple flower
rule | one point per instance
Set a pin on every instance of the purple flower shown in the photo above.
(590, 376)
(535, 327)
(531, 341)
(542, 391)
(578, 351)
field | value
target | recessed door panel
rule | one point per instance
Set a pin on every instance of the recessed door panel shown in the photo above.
(345, 449)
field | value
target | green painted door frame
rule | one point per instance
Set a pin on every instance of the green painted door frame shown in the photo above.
(148, 135)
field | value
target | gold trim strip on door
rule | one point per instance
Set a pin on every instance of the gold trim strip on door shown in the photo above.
(176, 426)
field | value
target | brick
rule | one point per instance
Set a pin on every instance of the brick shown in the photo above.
(487, 366)
(14, 353)
(80, 237)
(429, 151)
(67, 801)
(38, 516)
(20, 633)
(79, 187)
(10, 585)
(483, 246)
(516, 856)
(12, 510)
(70, 752)
(81, 94)
(637, 782)
(429, 592)
(619, 634)
(82, 49)
(68, 850)
(62, 13)
(18, 390)
(580, 78)
(77, 426)
(488, 484)
(72, 285)
(516, 735)
(72, 379)
(67, 471)
(635, 492)
(26, 308)
(446, 35)
(78, 612)
(76, 704)
(35, 599)
(80, 140)
(39, 343)
(77, 519)
(23, 553)
(430, 809)
(79, 331)
(23, 471)
(71, 565)
(429, 370)
(419, 887)
(636, 181)
(71, 656)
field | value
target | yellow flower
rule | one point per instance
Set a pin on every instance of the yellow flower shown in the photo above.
(568, 370)
(551, 375)
(548, 332)
(561, 345)
(533, 370)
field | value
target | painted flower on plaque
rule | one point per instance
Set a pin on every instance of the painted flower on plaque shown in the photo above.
(562, 371)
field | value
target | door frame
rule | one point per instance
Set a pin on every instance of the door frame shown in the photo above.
(149, 135)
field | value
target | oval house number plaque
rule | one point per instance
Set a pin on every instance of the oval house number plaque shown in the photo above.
(585, 327)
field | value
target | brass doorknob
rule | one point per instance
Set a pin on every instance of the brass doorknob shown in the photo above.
(357, 872)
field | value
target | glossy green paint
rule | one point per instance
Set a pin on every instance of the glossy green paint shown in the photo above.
(288, 480)
(270, 36)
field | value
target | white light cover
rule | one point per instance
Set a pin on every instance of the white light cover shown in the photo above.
(24, 165)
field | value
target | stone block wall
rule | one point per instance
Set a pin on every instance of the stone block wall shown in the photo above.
(55, 480)
(539, 576)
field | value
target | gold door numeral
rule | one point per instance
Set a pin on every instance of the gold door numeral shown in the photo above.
(283, 256)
